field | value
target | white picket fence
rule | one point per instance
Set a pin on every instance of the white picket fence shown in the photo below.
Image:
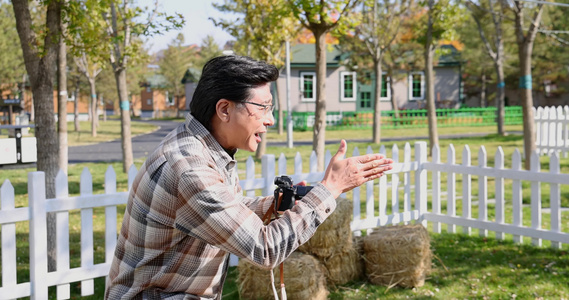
(552, 129)
(400, 197)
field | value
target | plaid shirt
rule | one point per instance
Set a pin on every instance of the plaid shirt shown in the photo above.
(186, 212)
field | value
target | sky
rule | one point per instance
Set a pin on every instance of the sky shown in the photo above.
(197, 27)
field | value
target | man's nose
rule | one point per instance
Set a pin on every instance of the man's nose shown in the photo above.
(269, 119)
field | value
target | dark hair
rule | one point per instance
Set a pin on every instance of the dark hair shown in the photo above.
(228, 77)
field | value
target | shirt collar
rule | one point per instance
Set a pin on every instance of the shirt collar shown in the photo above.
(223, 156)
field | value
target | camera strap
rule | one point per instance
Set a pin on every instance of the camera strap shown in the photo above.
(266, 220)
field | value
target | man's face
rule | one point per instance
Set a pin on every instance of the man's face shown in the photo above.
(252, 119)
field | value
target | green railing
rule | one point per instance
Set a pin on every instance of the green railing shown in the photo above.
(410, 118)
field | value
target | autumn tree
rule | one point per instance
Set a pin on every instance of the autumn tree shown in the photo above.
(90, 68)
(209, 49)
(176, 59)
(13, 70)
(321, 17)
(379, 25)
(62, 96)
(40, 54)
(441, 19)
(493, 41)
(525, 37)
(261, 32)
(116, 26)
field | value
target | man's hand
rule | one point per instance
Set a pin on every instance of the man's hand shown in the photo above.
(344, 174)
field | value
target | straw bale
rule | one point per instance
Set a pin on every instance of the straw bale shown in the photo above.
(334, 235)
(303, 276)
(398, 255)
(343, 267)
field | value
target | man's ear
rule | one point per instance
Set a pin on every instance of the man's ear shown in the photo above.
(223, 109)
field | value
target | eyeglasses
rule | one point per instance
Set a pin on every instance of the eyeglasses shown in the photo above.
(266, 108)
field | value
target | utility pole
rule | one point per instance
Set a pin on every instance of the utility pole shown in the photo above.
(288, 105)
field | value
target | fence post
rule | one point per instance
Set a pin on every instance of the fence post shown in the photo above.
(421, 180)
(268, 173)
(9, 262)
(38, 235)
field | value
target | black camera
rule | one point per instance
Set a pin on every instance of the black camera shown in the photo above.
(290, 192)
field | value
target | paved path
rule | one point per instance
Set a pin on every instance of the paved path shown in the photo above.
(142, 145)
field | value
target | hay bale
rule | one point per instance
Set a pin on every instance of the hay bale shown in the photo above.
(398, 255)
(303, 276)
(334, 235)
(343, 267)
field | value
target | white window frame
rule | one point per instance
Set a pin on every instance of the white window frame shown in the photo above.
(302, 98)
(388, 87)
(168, 102)
(410, 85)
(354, 86)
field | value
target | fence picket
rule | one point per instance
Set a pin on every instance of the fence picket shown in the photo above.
(436, 187)
(8, 251)
(268, 172)
(482, 191)
(535, 198)
(132, 171)
(383, 182)
(370, 193)
(327, 158)
(62, 236)
(38, 235)
(499, 191)
(297, 164)
(407, 178)
(421, 180)
(86, 188)
(563, 118)
(517, 196)
(552, 130)
(110, 216)
(250, 174)
(282, 164)
(451, 188)
(466, 190)
(356, 202)
(395, 182)
(555, 199)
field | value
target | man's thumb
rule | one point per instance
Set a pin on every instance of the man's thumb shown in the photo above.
(342, 149)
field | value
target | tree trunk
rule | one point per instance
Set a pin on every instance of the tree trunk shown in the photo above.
(527, 103)
(62, 103)
(430, 84)
(525, 49)
(500, 99)
(126, 142)
(262, 148)
(377, 101)
(39, 66)
(76, 106)
(94, 117)
(319, 133)
(431, 107)
(280, 104)
(394, 103)
(483, 89)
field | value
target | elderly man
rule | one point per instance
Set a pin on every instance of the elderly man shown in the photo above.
(186, 211)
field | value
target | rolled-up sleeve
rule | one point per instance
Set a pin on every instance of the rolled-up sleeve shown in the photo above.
(215, 213)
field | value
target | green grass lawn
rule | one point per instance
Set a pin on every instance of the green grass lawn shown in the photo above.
(465, 267)
(469, 267)
(107, 131)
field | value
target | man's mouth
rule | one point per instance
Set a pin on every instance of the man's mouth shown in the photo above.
(258, 137)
